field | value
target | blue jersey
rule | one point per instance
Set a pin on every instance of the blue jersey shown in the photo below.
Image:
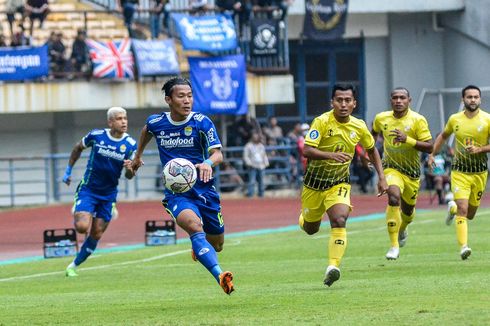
(191, 139)
(106, 160)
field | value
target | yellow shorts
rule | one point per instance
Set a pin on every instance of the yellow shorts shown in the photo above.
(468, 186)
(409, 188)
(314, 203)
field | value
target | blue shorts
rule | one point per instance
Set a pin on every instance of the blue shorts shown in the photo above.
(98, 206)
(207, 206)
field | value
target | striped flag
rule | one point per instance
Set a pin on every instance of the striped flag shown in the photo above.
(112, 59)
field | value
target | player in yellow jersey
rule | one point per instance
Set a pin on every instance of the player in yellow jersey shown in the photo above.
(329, 148)
(405, 134)
(471, 128)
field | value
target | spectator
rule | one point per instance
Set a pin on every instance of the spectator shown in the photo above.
(256, 160)
(36, 9)
(199, 6)
(2, 41)
(128, 8)
(155, 18)
(240, 8)
(273, 131)
(56, 51)
(243, 128)
(80, 56)
(12, 7)
(20, 38)
(438, 177)
(230, 180)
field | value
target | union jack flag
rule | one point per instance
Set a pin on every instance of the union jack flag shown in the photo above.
(112, 59)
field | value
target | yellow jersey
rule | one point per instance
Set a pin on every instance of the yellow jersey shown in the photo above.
(329, 135)
(401, 156)
(467, 132)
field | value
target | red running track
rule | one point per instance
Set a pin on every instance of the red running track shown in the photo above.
(21, 230)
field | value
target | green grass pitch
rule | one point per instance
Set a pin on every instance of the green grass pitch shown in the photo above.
(278, 281)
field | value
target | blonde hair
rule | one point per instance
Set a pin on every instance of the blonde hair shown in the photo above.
(111, 113)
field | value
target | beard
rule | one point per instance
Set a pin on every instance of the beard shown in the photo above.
(471, 109)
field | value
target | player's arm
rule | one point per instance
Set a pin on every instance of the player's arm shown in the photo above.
(313, 153)
(129, 173)
(206, 167)
(476, 149)
(74, 156)
(440, 140)
(144, 139)
(376, 160)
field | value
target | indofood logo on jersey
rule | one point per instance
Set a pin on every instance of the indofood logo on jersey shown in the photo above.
(108, 153)
(177, 142)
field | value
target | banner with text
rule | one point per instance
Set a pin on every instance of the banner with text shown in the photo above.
(265, 37)
(24, 63)
(155, 58)
(325, 19)
(206, 33)
(219, 84)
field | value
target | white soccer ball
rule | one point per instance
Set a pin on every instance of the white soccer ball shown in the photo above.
(449, 196)
(179, 175)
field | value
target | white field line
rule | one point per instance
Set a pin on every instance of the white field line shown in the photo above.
(129, 262)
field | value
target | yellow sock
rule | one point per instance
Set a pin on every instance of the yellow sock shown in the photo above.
(461, 230)
(301, 222)
(406, 220)
(393, 223)
(336, 246)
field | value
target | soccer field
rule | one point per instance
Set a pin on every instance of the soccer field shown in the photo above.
(278, 280)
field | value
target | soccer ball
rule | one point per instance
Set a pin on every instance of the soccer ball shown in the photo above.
(179, 175)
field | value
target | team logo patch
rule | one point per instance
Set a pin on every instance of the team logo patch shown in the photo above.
(188, 131)
(314, 134)
(122, 148)
(352, 135)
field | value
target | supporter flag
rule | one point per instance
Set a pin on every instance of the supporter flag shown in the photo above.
(23, 63)
(112, 59)
(155, 58)
(206, 33)
(325, 19)
(265, 37)
(218, 84)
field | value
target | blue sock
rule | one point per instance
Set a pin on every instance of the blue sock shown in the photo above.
(206, 254)
(88, 248)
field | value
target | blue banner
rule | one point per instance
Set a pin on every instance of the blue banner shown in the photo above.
(206, 33)
(154, 58)
(24, 63)
(219, 84)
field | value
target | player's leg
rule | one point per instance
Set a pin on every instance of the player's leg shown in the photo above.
(393, 218)
(103, 213)
(312, 210)
(407, 207)
(338, 209)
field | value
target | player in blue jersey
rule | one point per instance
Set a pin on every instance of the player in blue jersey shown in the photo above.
(95, 199)
(190, 135)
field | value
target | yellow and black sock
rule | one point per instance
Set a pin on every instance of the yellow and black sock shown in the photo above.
(461, 230)
(405, 220)
(393, 224)
(336, 246)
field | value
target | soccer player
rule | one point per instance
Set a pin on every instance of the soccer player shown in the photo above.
(405, 134)
(469, 170)
(329, 148)
(95, 198)
(190, 135)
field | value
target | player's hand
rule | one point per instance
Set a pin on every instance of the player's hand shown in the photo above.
(473, 149)
(205, 172)
(67, 176)
(398, 136)
(135, 164)
(340, 157)
(382, 187)
(431, 162)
